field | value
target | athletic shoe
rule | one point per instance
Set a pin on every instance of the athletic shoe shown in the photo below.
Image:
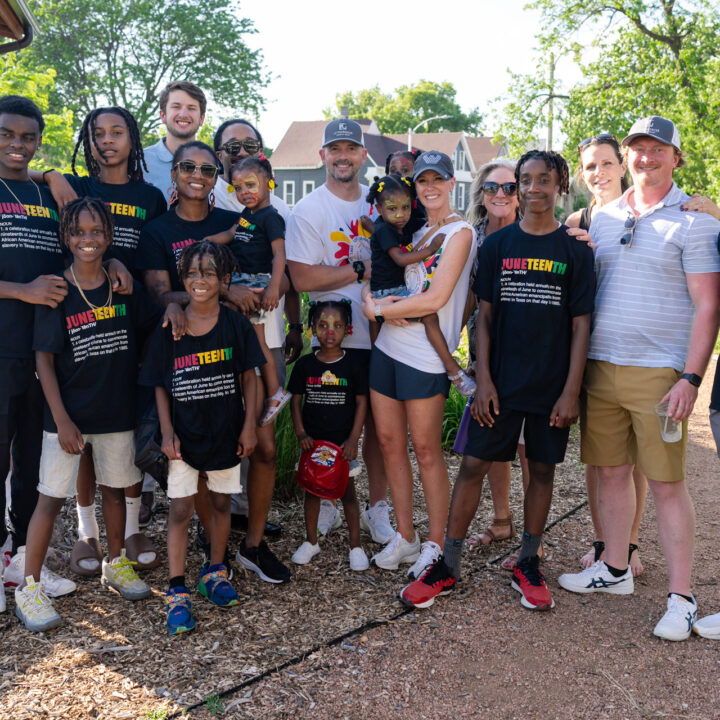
(530, 583)
(397, 551)
(35, 608)
(708, 627)
(376, 522)
(147, 508)
(429, 554)
(358, 559)
(355, 468)
(678, 620)
(262, 560)
(53, 585)
(436, 580)
(5, 553)
(305, 553)
(215, 586)
(329, 518)
(239, 523)
(120, 575)
(179, 610)
(203, 545)
(597, 578)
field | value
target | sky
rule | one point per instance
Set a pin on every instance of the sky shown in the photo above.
(318, 48)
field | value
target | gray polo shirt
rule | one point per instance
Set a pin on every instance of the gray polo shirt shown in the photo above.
(643, 310)
(159, 162)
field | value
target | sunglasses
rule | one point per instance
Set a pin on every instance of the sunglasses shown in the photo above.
(492, 188)
(188, 167)
(602, 136)
(630, 225)
(233, 147)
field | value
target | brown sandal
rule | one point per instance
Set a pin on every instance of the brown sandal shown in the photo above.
(502, 522)
(510, 561)
(137, 544)
(86, 549)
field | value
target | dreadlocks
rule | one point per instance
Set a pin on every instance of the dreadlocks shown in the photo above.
(70, 215)
(551, 160)
(136, 159)
(219, 258)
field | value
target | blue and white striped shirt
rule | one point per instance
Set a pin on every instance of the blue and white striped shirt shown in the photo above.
(643, 310)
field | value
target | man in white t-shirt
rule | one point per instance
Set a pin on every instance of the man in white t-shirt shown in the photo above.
(328, 255)
(654, 328)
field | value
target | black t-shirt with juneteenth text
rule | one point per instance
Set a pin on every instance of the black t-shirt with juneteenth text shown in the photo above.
(96, 355)
(132, 205)
(163, 239)
(329, 390)
(536, 284)
(29, 247)
(252, 244)
(200, 373)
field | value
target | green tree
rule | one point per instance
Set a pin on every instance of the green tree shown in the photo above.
(407, 106)
(123, 52)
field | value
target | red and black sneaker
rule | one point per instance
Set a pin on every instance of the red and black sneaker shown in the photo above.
(436, 580)
(529, 581)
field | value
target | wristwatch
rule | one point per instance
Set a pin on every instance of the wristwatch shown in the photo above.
(692, 378)
(379, 317)
(295, 326)
(359, 268)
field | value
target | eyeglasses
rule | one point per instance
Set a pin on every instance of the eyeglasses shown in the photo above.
(602, 136)
(492, 188)
(233, 147)
(630, 225)
(188, 167)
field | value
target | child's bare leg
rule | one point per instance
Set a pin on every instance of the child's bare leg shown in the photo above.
(220, 526)
(374, 331)
(181, 510)
(352, 514)
(39, 533)
(203, 507)
(268, 370)
(439, 344)
(312, 512)
(113, 507)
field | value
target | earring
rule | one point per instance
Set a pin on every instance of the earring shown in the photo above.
(212, 200)
(172, 193)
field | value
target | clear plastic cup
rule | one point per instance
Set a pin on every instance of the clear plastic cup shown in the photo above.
(671, 429)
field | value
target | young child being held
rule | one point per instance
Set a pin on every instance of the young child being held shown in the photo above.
(390, 244)
(258, 244)
(86, 357)
(335, 392)
(203, 382)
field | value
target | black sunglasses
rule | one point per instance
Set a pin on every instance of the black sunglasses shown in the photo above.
(601, 137)
(630, 225)
(188, 167)
(233, 147)
(492, 188)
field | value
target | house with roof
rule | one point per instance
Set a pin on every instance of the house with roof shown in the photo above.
(299, 170)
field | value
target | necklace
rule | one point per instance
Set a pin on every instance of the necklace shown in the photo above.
(7, 187)
(84, 297)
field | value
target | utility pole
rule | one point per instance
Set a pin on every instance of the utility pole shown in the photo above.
(551, 99)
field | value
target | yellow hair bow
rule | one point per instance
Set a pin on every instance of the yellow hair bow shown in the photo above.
(381, 186)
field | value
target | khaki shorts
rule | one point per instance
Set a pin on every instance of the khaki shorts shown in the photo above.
(113, 456)
(183, 480)
(618, 421)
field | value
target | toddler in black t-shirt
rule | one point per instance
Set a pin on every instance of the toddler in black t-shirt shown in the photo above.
(334, 389)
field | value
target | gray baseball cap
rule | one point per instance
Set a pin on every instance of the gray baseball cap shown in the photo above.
(434, 160)
(343, 129)
(656, 127)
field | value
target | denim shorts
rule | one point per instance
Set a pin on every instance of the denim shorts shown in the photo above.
(253, 280)
(399, 291)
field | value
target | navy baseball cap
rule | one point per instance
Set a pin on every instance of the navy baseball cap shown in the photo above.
(434, 160)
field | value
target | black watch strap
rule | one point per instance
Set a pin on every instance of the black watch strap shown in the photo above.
(295, 326)
(359, 268)
(692, 378)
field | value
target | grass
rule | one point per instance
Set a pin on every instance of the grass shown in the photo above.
(159, 714)
(214, 704)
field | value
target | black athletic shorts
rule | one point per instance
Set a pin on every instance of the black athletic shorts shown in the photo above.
(399, 381)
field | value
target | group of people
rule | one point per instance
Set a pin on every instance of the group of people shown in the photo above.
(165, 283)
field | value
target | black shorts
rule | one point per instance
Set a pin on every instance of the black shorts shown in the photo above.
(399, 381)
(499, 443)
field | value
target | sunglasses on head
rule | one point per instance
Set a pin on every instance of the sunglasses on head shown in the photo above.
(233, 147)
(492, 188)
(188, 167)
(630, 225)
(602, 136)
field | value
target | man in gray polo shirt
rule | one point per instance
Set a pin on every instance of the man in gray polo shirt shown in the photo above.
(654, 327)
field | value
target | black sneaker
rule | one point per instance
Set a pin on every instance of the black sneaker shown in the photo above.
(239, 523)
(262, 560)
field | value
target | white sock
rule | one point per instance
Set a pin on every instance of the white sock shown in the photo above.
(132, 515)
(87, 524)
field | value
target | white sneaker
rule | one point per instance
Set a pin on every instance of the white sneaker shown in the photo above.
(376, 521)
(678, 620)
(597, 578)
(34, 607)
(53, 585)
(329, 518)
(708, 627)
(358, 559)
(305, 553)
(397, 551)
(120, 574)
(355, 468)
(428, 555)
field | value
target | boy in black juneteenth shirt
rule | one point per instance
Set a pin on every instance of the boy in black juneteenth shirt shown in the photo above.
(535, 285)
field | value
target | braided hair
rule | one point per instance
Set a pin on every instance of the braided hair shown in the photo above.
(316, 309)
(220, 258)
(136, 158)
(552, 160)
(254, 162)
(390, 185)
(70, 216)
(411, 155)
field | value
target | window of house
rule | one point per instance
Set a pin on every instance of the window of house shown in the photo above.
(459, 159)
(460, 196)
(308, 187)
(289, 192)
